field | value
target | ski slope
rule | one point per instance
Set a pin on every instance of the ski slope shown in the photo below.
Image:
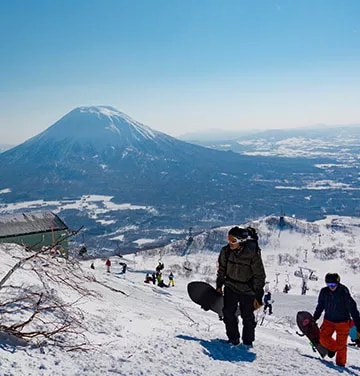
(159, 331)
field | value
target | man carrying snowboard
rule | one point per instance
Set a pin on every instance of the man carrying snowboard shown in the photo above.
(336, 301)
(241, 271)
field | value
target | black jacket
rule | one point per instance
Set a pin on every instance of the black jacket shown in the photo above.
(338, 306)
(242, 269)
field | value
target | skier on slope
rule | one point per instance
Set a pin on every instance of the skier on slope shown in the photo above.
(336, 301)
(171, 279)
(268, 302)
(108, 264)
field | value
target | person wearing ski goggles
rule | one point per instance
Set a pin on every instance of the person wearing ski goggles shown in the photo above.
(339, 307)
(241, 271)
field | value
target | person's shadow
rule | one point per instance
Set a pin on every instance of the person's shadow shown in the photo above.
(219, 350)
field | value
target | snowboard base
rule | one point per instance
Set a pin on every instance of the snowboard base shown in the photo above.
(309, 328)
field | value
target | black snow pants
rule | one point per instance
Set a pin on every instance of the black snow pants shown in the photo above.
(246, 304)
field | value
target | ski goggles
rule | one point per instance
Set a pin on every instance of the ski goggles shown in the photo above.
(233, 240)
(331, 284)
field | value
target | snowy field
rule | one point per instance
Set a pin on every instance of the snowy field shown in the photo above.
(159, 331)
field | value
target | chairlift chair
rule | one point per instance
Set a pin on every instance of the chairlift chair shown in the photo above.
(298, 273)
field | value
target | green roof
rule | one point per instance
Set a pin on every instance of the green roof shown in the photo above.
(29, 223)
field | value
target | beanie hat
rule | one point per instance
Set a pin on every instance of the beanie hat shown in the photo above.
(239, 233)
(332, 278)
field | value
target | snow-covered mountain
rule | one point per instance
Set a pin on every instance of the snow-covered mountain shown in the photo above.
(98, 133)
(4, 147)
(98, 151)
(151, 330)
(340, 143)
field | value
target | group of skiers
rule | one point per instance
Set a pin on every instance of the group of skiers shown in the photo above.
(108, 266)
(157, 278)
(241, 281)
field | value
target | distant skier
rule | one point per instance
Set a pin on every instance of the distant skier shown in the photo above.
(268, 303)
(124, 267)
(304, 287)
(108, 264)
(92, 266)
(158, 277)
(286, 289)
(171, 279)
(338, 304)
(159, 267)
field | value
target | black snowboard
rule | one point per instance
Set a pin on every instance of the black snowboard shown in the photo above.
(309, 328)
(207, 297)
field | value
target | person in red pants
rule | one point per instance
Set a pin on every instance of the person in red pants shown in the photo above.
(335, 299)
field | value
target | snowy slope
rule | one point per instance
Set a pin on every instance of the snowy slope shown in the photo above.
(154, 331)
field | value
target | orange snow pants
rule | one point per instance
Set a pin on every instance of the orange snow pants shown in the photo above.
(338, 345)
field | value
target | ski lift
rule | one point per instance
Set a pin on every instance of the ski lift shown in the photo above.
(288, 281)
(298, 273)
(190, 239)
(187, 266)
(312, 276)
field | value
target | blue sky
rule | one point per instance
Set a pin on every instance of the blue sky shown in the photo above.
(180, 66)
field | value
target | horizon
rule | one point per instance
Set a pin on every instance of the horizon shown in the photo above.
(180, 67)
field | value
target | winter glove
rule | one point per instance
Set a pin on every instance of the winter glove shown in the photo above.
(258, 301)
(257, 305)
(219, 291)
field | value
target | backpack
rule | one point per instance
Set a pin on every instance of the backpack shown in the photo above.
(250, 234)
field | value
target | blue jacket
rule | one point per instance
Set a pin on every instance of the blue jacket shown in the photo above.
(338, 306)
(267, 298)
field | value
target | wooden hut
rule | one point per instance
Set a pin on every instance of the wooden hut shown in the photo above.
(33, 229)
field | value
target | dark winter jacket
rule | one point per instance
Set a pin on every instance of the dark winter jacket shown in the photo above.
(242, 269)
(338, 305)
(267, 298)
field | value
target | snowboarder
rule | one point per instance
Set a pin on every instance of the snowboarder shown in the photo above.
(242, 272)
(159, 267)
(108, 264)
(148, 278)
(171, 279)
(92, 266)
(124, 267)
(268, 303)
(335, 299)
(158, 277)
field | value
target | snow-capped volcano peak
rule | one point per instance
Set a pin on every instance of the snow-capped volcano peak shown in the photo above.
(98, 121)
(100, 132)
(103, 110)
(114, 115)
